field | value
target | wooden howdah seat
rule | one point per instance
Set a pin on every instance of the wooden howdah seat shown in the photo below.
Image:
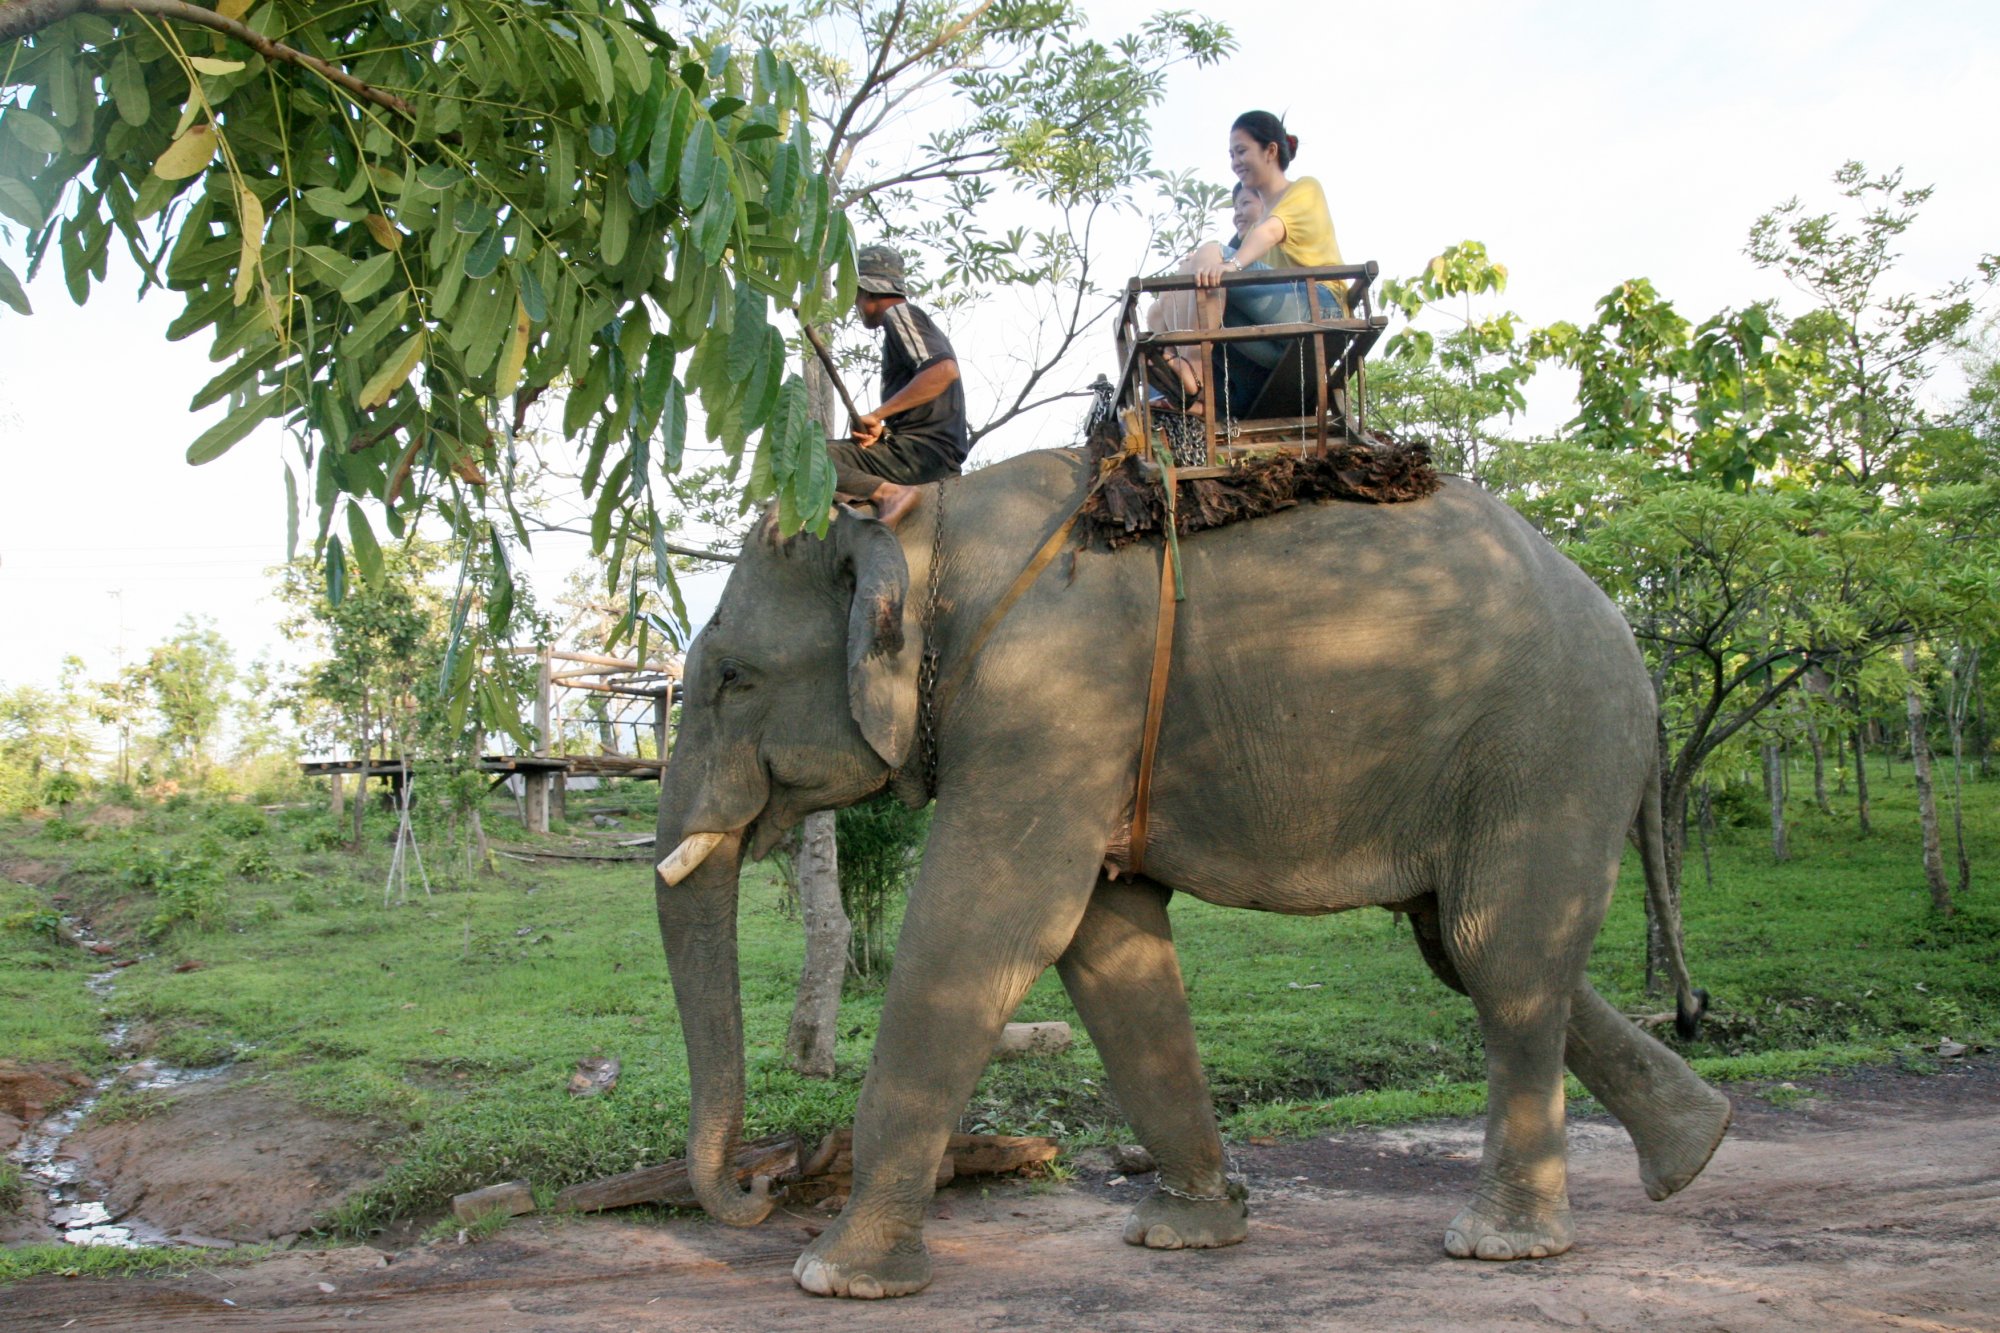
(1316, 394)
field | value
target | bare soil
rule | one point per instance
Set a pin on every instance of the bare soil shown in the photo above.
(226, 1159)
(1870, 1200)
(28, 1092)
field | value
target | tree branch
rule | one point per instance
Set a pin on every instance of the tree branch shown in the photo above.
(23, 17)
(673, 548)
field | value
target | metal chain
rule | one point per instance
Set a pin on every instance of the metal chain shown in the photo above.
(927, 669)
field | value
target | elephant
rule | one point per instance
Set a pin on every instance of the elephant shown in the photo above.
(1419, 706)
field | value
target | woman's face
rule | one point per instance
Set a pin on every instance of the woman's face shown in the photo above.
(1252, 162)
(1249, 211)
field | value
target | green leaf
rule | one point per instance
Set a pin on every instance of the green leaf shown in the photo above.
(336, 572)
(755, 130)
(638, 186)
(673, 427)
(31, 131)
(616, 237)
(328, 203)
(473, 217)
(500, 606)
(225, 434)
(746, 339)
(485, 255)
(369, 277)
(712, 222)
(18, 202)
(698, 164)
(439, 176)
(532, 296)
(291, 515)
(11, 292)
(367, 553)
(603, 140)
(598, 60)
(128, 88)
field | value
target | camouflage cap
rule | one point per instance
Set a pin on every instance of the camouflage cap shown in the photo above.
(880, 270)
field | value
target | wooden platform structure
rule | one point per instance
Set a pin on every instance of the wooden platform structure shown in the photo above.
(641, 696)
(1317, 392)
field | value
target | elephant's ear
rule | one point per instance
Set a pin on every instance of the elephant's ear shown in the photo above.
(884, 640)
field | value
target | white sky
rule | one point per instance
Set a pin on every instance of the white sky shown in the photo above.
(1582, 142)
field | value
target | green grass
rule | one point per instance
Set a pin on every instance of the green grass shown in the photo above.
(455, 1021)
(10, 1189)
(20, 1262)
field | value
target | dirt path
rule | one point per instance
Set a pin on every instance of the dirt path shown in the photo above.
(1875, 1204)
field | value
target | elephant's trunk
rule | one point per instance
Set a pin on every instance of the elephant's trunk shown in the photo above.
(698, 927)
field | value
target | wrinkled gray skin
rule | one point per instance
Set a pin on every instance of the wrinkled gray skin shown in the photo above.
(1421, 706)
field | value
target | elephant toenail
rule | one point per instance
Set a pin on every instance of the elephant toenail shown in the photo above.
(865, 1288)
(1455, 1246)
(1493, 1247)
(1163, 1237)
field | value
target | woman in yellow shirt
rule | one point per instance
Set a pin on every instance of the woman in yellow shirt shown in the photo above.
(1296, 232)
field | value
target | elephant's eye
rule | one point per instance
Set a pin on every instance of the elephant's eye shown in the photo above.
(732, 676)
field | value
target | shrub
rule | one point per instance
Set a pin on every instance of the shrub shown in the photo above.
(240, 821)
(42, 921)
(324, 836)
(256, 863)
(880, 841)
(63, 830)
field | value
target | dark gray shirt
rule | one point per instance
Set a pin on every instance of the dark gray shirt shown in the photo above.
(912, 344)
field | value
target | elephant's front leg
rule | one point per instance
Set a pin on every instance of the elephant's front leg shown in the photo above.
(998, 899)
(1124, 977)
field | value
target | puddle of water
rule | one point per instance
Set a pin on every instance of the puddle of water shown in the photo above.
(77, 1210)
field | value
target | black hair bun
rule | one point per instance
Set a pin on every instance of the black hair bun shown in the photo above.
(1292, 144)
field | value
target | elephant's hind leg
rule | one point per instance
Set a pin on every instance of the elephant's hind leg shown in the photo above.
(1122, 974)
(1518, 942)
(1676, 1121)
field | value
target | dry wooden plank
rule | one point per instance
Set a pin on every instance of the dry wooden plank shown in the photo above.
(1033, 1039)
(774, 1157)
(513, 1198)
(964, 1155)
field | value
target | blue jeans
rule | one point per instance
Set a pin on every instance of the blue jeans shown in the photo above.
(1245, 367)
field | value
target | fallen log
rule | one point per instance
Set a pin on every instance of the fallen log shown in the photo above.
(512, 1198)
(775, 1157)
(964, 1155)
(779, 1159)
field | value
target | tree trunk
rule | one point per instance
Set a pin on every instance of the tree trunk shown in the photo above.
(1819, 764)
(1861, 780)
(1673, 840)
(361, 780)
(1920, 757)
(1774, 792)
(1964, 680)
(816, 1013)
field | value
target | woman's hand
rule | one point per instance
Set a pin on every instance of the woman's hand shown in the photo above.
(1209, 273)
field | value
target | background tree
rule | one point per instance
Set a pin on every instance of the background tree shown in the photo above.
(1454, 391)
(188, 679)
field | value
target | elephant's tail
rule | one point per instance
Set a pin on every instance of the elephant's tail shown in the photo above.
(1689, 1003)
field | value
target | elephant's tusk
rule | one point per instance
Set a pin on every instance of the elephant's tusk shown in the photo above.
(682, 860)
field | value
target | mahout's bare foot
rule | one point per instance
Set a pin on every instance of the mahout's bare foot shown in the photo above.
(892, 502)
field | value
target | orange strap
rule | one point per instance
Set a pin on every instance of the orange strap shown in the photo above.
(1156, 708)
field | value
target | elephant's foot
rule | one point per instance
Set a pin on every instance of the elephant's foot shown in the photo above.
(1484, 1231)
(838, 1264)
(1674, 1148)
(1164, 1221)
